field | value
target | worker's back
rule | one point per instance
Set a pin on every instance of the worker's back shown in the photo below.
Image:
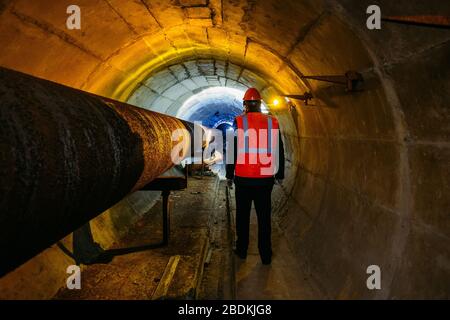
(258, 161)
(257, 145)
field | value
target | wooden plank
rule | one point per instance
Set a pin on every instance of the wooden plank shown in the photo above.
(164, 284)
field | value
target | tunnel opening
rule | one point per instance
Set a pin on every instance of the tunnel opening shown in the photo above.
(213, 106)
(360, 165)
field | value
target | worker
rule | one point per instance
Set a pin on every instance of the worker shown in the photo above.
(258, 164)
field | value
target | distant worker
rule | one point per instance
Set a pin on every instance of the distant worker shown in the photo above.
(258, 161)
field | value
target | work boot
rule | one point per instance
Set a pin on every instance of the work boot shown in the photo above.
(240, 254)
(266, 260)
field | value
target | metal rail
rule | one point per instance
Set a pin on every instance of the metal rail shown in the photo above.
(351, 79)
(434, 21)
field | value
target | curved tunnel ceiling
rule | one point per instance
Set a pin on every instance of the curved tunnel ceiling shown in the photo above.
(167, 90)
(150, 36)
(361, 166)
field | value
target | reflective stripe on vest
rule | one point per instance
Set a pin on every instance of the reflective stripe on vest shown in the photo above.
(246, 137)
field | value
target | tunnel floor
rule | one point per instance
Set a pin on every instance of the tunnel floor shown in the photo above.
(283, 279)
(201, 245)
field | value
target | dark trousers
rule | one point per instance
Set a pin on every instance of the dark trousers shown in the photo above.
(261, 195)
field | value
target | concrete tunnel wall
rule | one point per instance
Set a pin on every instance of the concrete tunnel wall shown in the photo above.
(368, 176)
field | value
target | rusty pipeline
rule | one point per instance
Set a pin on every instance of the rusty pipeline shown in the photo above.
(66, 156)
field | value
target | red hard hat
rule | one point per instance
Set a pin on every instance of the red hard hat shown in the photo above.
(252, 94)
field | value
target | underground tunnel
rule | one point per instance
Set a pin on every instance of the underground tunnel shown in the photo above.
(367, 151)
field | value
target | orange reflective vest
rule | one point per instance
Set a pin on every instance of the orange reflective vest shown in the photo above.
(257, 141)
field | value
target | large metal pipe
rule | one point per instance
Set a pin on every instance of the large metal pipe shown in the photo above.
(66, 156)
